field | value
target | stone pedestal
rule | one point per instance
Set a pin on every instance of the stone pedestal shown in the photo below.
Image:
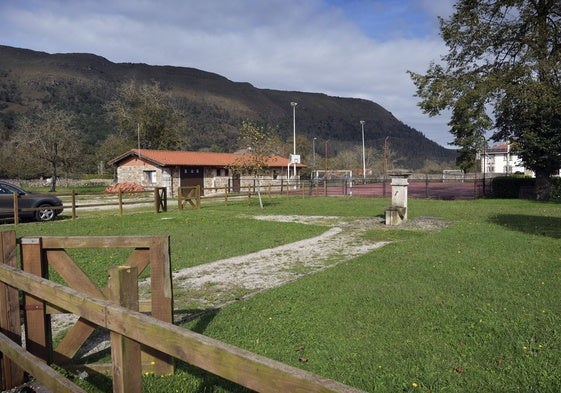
(397, 212)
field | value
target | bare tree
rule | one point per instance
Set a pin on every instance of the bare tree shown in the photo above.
(260, 144)
(47, 138)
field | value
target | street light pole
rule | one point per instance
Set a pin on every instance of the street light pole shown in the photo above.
(314, 154)
(293, 104)
(363, 155)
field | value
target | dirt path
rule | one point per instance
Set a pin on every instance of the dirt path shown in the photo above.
(216, 284)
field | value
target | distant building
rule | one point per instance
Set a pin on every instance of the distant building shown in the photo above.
(499, 159)
(174, 169)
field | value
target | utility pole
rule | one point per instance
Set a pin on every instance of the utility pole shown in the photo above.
(363, 155)
(385, 164)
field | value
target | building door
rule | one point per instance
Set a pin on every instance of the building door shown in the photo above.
(193, 176)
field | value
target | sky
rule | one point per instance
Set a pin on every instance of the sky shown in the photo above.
(343, 48)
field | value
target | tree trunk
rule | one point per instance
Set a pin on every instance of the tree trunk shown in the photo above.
(543, 186)
(259, 192)
(53, 182)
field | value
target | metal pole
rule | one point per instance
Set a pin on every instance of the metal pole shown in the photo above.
(294, 131)
(314, 154)
(363, 155)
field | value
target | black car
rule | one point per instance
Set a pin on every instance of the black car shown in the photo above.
(48, 206)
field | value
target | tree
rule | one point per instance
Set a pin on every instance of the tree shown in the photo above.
(47, 139)
(113, 146)
(502, 73)
(147, 116)
(260, 144)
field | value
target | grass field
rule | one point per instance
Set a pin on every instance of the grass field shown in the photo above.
(474, 307)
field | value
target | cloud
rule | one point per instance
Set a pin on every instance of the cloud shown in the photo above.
(353, 48)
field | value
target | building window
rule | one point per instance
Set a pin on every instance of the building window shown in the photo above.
(150, 177)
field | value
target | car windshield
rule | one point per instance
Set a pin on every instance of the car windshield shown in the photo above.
(9, 189)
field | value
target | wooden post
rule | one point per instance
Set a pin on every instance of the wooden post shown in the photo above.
(11, 375)
(179, 199)
(73, 204)
(16, 209)
(156, 200)
(120, 202)
(125, 353)
(161, 301)
(198, 196)
(38, 338)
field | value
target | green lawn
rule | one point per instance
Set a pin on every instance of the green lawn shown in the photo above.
(474, 307)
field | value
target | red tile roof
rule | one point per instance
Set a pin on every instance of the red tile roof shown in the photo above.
(500, 148)
(192, 158)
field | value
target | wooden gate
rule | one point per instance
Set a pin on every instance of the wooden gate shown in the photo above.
(190, 195)
(10, 323)
(40, 253)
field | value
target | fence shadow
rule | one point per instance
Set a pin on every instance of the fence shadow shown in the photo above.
(534, 225)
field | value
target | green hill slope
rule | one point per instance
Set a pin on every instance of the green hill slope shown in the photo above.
(213, 105)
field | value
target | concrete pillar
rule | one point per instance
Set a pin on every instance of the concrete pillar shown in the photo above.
(397, 213)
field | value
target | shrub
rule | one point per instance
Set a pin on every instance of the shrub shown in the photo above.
(511, 186)
(556, 189)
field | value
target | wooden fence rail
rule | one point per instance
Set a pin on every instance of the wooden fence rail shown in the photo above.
(128, 327)
(75, 201)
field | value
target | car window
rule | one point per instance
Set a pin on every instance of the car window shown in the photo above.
(8, 189)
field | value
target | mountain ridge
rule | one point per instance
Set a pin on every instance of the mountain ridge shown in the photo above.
(214, 106)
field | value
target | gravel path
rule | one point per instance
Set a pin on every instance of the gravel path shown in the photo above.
(215, 284)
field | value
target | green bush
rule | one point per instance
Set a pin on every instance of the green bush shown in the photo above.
(556, 189)
(510, 186)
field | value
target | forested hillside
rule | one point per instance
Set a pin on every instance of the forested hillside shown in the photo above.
(212, 106)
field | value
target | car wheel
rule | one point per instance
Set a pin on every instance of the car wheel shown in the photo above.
(46, 213)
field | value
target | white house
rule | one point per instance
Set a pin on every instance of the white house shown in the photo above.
(499, 159)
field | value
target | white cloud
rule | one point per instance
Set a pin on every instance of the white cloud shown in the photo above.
(277, 44)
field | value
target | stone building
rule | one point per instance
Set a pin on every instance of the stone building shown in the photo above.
(211, 171)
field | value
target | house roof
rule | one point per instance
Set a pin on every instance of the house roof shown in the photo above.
(500, 148)
(192, 158)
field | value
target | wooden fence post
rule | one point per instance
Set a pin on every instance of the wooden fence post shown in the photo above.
(38, 338)
(125, 353)
(120, 202)
(73, 204)
(16, 209)
(10, 374)
(161, 302)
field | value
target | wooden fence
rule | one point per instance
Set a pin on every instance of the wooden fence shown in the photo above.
(75, 201)
(115, 308)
